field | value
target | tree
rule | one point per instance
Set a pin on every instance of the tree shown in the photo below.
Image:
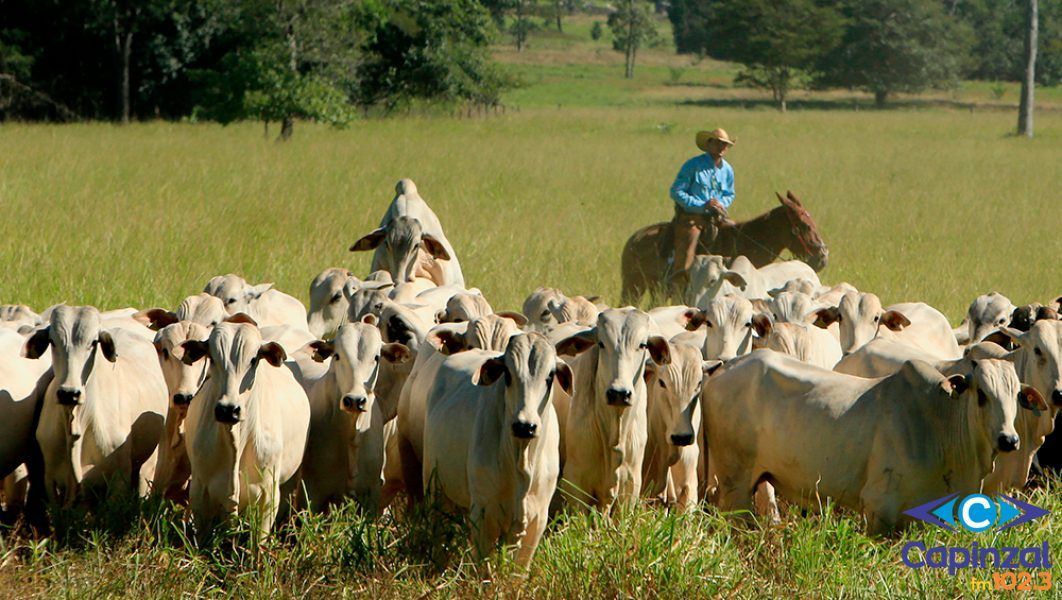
(632, 28)
(426, 49)
(1000, 27)
(690, 20)
(894, 46)
(1028, 82)
(777, 41)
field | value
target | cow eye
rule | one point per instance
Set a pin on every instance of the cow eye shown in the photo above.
(981, 398)
(336, 297)
(549, 380)
(165, 354)
(376, 358)
(643, 346)
(601, 344)
(544, 315)
(1038, 352)
(877, 318)
(254, 362)
(749, 324)
(230, 301)
(662, 384)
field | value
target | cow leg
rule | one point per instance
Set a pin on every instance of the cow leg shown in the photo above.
(16, 488)
(536, 526)
(683, 476)
(412, 470)
(767, 503)
(485, 531)
(370, 461)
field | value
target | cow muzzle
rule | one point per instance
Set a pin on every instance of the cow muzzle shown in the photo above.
(68, 396)
(684, 439)
(229, 414)
(618, 397)
(182, 399)
(355, 403)
(1007, 442)
(524, 430)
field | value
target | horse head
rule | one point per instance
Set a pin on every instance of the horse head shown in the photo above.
(806, 243)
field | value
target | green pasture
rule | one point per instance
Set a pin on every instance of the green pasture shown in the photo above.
(934, 205)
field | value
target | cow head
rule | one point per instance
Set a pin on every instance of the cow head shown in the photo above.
(1041, 357)
(355, 356)
(527, 370)
(489, 332)
(623, 344)
(708, 278)
(236, 352)
(403, 241)
(995, 395)
(203, 309)
(235, 293)
(365, 298)
(182, 380)
(730, 325)
(536, 308)
(463, 307)
(576, 309)
(676, 389)
(77, 340)
(792, 307)
(986, 314)
(860, 316)
(328, 302)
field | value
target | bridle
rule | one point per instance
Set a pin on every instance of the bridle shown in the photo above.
(795, 223)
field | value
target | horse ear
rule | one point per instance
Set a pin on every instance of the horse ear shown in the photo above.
(780, 198)
(792, 198)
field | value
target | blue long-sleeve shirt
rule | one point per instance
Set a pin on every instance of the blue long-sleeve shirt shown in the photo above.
(699, 180)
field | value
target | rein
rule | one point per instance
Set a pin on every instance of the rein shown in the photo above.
(793, 221)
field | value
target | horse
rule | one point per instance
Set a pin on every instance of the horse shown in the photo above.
(761, 240)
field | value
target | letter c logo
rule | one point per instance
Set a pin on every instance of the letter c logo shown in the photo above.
(977, 513)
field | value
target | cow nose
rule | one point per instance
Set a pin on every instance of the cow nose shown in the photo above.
(1008, 443)
(227, 413)
(618, 397)
(355, 403)
(182, 399)
(68, 397)
(1056, 398)
(524, 430)
(684, 439)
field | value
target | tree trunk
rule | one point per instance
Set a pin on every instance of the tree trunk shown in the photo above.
(879, 98)
(520, 25)
(287, 129)
(287, 125)
(629, 70)
(557, 6)
(1028, 82)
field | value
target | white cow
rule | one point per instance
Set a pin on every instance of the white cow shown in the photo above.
(267, 306)
(607, 423)
(201, 308)
(489, 333)
(102, 414)
(492, 441)
(674, 413)
(16, 316)
(21, 380)
(1038, 361)
(345, 453)
(802, 341)
(410, 242)
(328, 303)
(182, 383)
(246, 427)
(862, 318)
(730, 326)
(987, 313)
(536, 308)
(879, 446)
(711, 276)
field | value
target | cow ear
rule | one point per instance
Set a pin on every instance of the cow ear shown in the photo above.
(370, 319)
(396, 353)
(434, 247)
(1031, 399)
(520, 319)
(273, 353)
(824, 317)
(578, 343)
(696, 320)
(490, 371)
(895, 320)
(440, 316)
(241, 318)
(155, 318)
(37, 343)
(447, 341)
(736, 279)
(193, 351)
(563, 376)
(659, 349)
(322, 350)
(370, 241)
(956, 385)
(107, 346)
(762, 325)
(1046, 313)
(711, 367)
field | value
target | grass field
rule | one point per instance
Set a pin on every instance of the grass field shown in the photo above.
(934, 204)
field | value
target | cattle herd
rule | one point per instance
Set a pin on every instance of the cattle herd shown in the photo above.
(764, 382)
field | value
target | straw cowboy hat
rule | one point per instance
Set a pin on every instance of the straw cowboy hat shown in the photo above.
(703, 137)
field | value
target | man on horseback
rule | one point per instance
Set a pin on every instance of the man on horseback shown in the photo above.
(702, 192)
